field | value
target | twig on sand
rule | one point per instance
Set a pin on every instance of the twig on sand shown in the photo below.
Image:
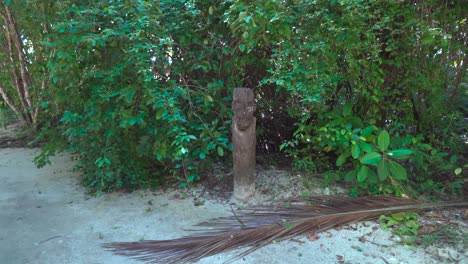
(50, 238)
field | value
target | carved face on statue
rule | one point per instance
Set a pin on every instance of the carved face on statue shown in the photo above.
(243, 105)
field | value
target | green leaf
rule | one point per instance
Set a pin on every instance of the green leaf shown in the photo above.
(159, 114)
(242, 47)
(383, 140)
(341, 159)
(355, 121)
(44, 104)
(220, 151)
(453, 159)
(8, 2)
(398, 171)
(392, 222)
(372, 176)
(132, 121)
(347, 109)
(458, 171)
(366, 147)
(414, 225)
(210, 10)
(282, 146)
(362, 173)
(371, 158)
(101, 161)
(400, 152)
(383, 170)
(193, 177)
(355, 151)
(350, 176)
(202, 155)
(444, 43)
(367, 131)
(427, 40)
(398, 216)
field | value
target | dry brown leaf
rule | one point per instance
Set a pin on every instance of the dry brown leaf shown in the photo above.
(427, 229)
(435, 215)
(313, 237)
(256, 227)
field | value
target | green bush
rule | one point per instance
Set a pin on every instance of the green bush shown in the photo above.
(353, 72)
(139, 93)
(141, 90)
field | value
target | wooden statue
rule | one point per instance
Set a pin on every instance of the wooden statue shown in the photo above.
(244, 142)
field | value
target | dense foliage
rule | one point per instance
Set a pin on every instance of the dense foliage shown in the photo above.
(371, 92)
(23, 72)
(144, 103)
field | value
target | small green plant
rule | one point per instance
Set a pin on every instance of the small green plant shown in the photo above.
(379, 163)
(412, 232)
(376, 166)
(402, 224)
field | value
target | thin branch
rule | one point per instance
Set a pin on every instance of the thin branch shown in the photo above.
(26, 78)
(237, 218)
(16, 79)
(36, 111)
(10, 103)
(50, 238)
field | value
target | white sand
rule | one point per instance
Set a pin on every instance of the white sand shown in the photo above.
(46, 217)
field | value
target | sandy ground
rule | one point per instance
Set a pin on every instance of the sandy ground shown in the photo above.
(46, 217)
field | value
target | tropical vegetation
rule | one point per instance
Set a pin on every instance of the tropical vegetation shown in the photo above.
(373, 93)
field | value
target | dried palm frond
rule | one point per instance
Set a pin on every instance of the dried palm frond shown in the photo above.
(259, 226)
